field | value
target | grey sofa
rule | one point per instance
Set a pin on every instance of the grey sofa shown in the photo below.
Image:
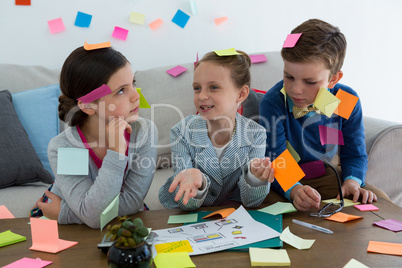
(172, 100)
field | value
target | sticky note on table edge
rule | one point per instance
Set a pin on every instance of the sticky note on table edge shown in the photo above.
(291, 40)
(177, 246)
(185, 218)
(143, 102)
(226, 52)
(286, 170)
(288, 237)
(342, 217)
(110, 212)
(72, 161)
(223, 212)
(330, 135)
(347, 105)
(385, 248)
(326, 102)
(269, 257)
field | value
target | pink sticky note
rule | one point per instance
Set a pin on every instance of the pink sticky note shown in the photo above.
(56, 25)
(196, 60)
(5, 213)
(120, 33)
(45, 236)
(155, 24)
(330, 135)
(220, 20)
(176, 70)
(366, 207)
(258, 58)
(391, 224)
(291, 40)
(313, 169)
(28, 262)
(95, 94)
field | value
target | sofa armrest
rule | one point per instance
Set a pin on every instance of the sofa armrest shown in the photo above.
(384, 151)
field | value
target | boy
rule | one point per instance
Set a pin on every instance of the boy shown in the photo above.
(315, 62)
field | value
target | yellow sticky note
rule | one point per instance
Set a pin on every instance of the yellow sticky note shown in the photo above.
(326, 102)
(137, 18)
(286, 170)
(143, 101)
(178, 246)
(227, 52)
(385, 248)
(346, 202)
(269, 257)
(295, 241)
(343, 217)
(283, 91)
(348, 103)
(292, 151)
(173, 260)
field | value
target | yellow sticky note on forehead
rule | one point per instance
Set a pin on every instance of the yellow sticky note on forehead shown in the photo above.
(326, 102)
(143, 101)
(227, 52)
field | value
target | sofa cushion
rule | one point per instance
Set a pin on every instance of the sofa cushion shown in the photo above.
(38, 114)
(19, 162)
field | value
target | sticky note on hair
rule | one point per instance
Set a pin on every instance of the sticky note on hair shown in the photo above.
(258, 58)
(347, 105)
(156, 24)
(326, 102)
(291, 40)
(330, 135)
(56, 25)
(83, 19)
(95, 94)
(143, 102)
(180, 18)
(120, 33)
(137, 18)
(72, 161)
(227, 52)
(96, 46)
(220, 20)
(176, 70)
(286, 170)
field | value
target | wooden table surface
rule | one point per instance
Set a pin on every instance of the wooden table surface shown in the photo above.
(350, 240)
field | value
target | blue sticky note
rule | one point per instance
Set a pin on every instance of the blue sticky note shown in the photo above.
(72, 161)
(83, 19)
(181, 18)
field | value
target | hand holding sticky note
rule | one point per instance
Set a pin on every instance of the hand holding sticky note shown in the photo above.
(286, 170)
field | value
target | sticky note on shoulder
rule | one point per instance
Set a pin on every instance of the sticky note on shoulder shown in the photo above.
(347, 105)
(286, 170)
(326, 102)
(72, 161)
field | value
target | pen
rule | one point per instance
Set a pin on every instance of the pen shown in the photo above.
(312, 226)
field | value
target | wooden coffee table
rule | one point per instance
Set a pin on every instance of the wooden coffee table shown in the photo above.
(350, 240)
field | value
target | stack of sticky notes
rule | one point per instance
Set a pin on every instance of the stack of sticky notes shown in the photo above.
(8, 238)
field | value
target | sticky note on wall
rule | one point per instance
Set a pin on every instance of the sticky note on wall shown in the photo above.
(180, 18)
(156, 24)
(56, 25)
(120, 33)
(83, 19)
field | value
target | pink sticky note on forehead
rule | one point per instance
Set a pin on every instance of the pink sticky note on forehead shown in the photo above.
(258, 58)
(95, 94)
(120, 33)
(176, 70)
(56, 25)
(291, 40)
(330, 135)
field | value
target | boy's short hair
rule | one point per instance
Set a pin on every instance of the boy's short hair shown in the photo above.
(319, 41)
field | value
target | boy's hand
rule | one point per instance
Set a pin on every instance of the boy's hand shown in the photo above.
(261, 168)
(189, 181)
(115, 134)
(305, 197)
(50, 210)
(351, 187)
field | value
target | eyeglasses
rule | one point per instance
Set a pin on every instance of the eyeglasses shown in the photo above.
(331, 208)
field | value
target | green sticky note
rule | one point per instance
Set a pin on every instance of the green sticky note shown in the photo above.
(292, 151)
(72, 161)
(173, 219)
(326, 102)
(110, 212)
(143, 101)
(173, 260)
(269, 257)
(279, 208)
(9, 238)
(227, 52)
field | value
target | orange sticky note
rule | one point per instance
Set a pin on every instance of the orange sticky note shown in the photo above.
(385, 248)
(343, 217)
(45, 236)
(22, 2)
(223, 212)
(286, 170)
(155, 24)
(348, 103)
(5, 213)
(96, 46)
(178, 246)
(220, 20)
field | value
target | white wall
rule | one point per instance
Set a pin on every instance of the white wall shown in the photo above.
(372, 27)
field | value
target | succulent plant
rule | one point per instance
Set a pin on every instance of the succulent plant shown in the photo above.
(127, 233)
